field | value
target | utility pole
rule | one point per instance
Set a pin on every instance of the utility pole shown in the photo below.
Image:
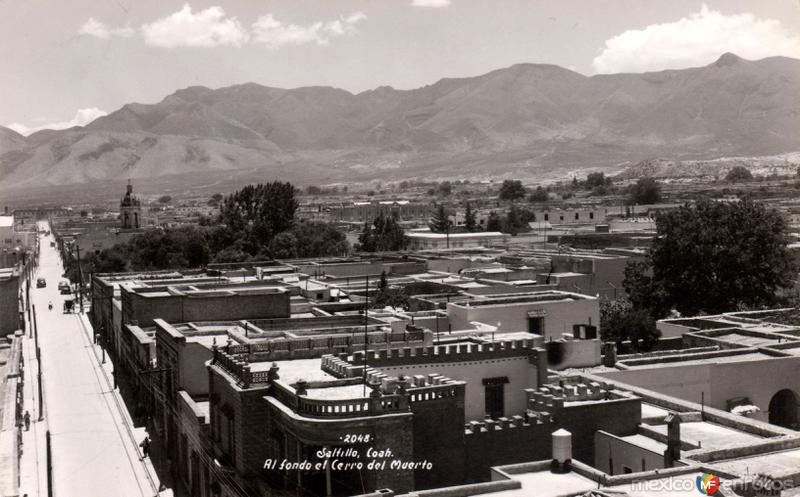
(49, 466)
(366, 336)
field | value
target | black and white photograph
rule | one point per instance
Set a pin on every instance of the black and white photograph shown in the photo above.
(399, 248)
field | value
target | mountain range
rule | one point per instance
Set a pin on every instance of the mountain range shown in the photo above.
(526, 121)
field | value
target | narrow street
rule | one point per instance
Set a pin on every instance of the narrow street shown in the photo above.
(94, 446)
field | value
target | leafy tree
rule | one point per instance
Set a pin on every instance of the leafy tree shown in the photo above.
(539, 195)
(470, 224)
(384, 235)
(184, 247)
(645, 191)
(164, 199)
(621, 322)
(445, 188)
(284, 245)
(258, 212)
(493, 222)
(643, 292)
(313, 190)
(84, 213)
(512, 190)
(440, 222)
(738, 173)
(217, 196)
(515, 221)
(715, 257)
(599, 191)
(318, 239)
(594, 180)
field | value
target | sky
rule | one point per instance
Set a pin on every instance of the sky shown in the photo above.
(65, 63)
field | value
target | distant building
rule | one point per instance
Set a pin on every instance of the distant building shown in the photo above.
(426, 240)
(130, 209)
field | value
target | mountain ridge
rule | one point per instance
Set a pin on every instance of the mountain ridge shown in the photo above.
(526, 119)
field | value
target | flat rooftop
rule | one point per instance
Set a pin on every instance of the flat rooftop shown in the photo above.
(682, 486)
(547, 484)
(773, 463)
(710, 435)
(296, 369)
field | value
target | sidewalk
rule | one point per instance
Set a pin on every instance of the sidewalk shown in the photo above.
(33, 470)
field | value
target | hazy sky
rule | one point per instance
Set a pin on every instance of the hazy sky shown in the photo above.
(66, 62)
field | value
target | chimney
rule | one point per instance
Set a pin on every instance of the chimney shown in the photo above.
(562, 451)
(673, 451)
(609, 352)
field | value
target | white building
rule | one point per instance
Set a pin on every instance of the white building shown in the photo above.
(426, 240)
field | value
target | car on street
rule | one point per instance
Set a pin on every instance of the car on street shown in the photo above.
(63, 287)
(41, 283)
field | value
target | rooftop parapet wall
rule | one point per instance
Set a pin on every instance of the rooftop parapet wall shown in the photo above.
(549, 395)
(299, 348)
(447, 353)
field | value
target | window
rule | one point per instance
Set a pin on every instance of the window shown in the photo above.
(495, 396)
(561, 217)
(626, 470)
(591, 215)
(536, 325)
(577, 216)
(547, 217)
(644, 465)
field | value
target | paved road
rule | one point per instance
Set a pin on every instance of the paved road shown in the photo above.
(93, 453)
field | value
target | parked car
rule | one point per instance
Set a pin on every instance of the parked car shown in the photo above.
(41, 283)
(64, 288)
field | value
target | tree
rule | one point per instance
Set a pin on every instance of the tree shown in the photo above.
(318, 239)
(621, 322)
(515, 221)
(258, 212)
(445, 188)
(217, 196)
(313, 190)
(738, 173)
(511, 190)
(594, 180)
(716, 257)
(493, 222)
(283, 246)
(469, 219)
(539, 195)
(164, 199)
(384, 235)
(645, 191)
(643, 292)
(440, 222)
(84, 213)
(184, 247)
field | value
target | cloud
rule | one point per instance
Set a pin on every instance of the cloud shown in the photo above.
(273, 33)
(82, 118)
(95, 28)
(430, 3)
(696, 40)
(184, 28)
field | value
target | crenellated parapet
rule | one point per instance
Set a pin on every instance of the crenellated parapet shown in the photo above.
(434, 354)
